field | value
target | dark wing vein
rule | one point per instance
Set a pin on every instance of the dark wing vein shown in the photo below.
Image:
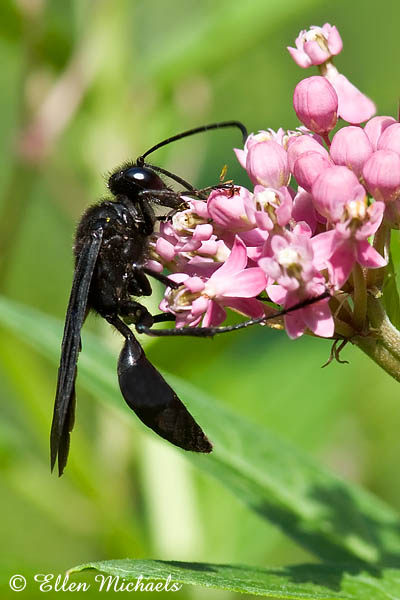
(64, 406)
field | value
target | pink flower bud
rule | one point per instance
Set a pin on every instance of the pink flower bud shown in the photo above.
(351, 148)
(256, 138)
(308, 166)
(390, 139)
(300, 144)
(316, 104)
(267, 164)
(375, 127)
(382, 175)
(333, 189)
(228, 210)
(316, 46)
(253, 138)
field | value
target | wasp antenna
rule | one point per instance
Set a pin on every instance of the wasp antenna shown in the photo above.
(176, 178)
(179, 136)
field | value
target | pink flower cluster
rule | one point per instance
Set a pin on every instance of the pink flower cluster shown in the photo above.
(309, 219)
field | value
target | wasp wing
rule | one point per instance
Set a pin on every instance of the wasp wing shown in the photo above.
(155, 402)
(64, 406)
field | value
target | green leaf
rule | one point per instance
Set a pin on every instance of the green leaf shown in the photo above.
(322, 582)
(391, 294)
(334, 519)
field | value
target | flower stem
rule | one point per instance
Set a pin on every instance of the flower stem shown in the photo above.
(325, 137)
(382, 245)
(383, 342)
(360, 298)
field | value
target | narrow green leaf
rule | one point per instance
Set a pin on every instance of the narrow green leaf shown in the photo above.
(391, 294)
(322, 582)
(335, 520)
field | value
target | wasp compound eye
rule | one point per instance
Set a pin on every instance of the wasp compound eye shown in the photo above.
(133, 179)
(144, 177)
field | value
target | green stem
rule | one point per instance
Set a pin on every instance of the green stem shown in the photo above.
(382, 345)
(360, 298)
(382, 245)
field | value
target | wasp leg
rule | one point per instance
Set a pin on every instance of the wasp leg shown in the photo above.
(163, 317)
(211, 331)
(164, 279)
(167, 198)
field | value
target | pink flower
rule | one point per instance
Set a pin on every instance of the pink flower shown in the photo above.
(340, 248)
(304, 210)
(308, 166)
(255, 138)
(224, 251)
(291, 262)
(382, 175)
(351, 148)
(316, 104)
(267, 165)
(232, 285)
(186, 242)
(390, 138)
(180, 237)
(375, 127)
(291, 266)
(316, 317)
(316, 46)
(333, 189)
(269, 207)
(228, 210)
(298, 145)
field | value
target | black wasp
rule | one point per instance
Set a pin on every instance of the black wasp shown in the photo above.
(110, 251)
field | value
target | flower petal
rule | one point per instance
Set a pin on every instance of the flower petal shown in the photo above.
(247, 306)
(354, 106)
(246, 284)
(153, 265)
(319, 320)
(241, 156)
(165, 249)
(203, 232)
(214, 316)
(323, 245)
(200, 305)
(341, 263)
(277, 293)
(199, 207)
(236, 261)
(294, 324)
(367, 256)
(194, 284)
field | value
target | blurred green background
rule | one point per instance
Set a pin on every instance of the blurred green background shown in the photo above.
(86, 85)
